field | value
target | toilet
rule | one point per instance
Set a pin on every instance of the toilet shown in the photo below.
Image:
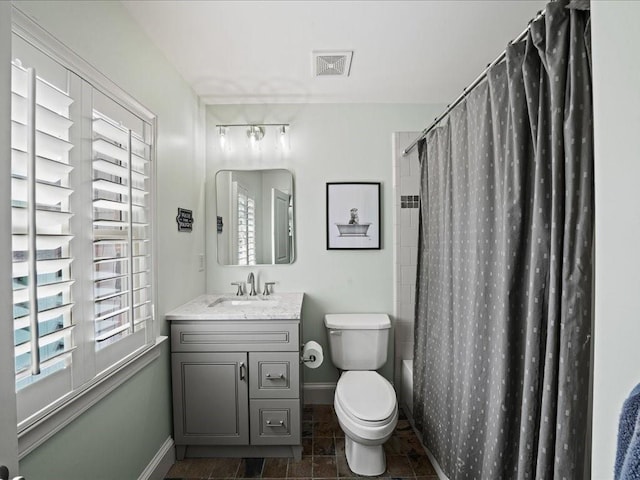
(365, 402)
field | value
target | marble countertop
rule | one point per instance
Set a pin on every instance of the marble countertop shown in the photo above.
(222, 306)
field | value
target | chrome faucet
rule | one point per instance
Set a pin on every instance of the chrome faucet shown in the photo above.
(251, 279)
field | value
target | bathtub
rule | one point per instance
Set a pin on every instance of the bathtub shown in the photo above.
(406, 395)
(353, 229)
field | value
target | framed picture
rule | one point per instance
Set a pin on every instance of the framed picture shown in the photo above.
(353, 215)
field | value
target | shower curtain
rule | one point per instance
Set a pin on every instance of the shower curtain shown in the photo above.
(503, 309)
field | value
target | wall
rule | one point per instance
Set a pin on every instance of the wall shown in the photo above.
(406, 179)
(328, 143)
(119, 436)
(616, 78)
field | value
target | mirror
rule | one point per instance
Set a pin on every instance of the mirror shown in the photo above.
(255, 217)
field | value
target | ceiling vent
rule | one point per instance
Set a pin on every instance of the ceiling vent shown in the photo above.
(326, 64)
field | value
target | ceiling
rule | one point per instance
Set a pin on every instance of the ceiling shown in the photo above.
(261, 51)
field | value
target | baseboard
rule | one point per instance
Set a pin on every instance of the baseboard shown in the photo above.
(319, 393)
(160, 463)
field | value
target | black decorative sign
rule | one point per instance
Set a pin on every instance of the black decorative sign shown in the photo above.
(184, 219)
(219, 224)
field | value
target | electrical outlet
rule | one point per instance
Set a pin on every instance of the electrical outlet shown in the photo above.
(201, 262)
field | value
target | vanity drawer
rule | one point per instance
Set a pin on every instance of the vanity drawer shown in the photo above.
(237, 336)
(275, 422)
(274, 374)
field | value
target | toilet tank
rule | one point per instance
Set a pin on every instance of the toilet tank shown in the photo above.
(358, 341)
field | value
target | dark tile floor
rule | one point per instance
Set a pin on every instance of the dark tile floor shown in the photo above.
(323, 456)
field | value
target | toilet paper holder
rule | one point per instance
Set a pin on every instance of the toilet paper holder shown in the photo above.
(303, 359)
(310, 358)
(311, 354)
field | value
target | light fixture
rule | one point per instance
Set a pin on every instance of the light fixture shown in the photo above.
(255, 132)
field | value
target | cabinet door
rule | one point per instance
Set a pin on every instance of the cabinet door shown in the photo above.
(210, 398)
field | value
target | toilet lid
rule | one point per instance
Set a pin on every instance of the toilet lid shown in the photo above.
(366, 395)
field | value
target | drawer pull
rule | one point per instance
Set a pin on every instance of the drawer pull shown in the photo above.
(270, 377)
(280, 423)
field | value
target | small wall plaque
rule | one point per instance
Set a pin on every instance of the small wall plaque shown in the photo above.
(219, 224)
(184, 219)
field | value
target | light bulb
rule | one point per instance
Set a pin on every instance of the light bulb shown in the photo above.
(222, 132)
(283, 138)
(255, 134)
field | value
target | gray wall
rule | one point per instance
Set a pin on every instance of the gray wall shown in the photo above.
(329, 143)
(119, 436)
(616, 81)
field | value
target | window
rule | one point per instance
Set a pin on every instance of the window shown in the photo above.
(81, 199)
(246, 222)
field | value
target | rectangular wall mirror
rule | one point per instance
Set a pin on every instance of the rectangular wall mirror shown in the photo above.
(255, 217)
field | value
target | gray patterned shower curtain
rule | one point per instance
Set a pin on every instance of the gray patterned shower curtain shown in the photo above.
(503, 312)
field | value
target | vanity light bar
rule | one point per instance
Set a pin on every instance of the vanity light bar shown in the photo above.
(255, 133)
(227, 125)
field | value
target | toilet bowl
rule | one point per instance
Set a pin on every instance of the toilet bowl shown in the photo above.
(367, 411)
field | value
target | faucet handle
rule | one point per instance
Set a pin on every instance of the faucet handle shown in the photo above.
(266, 288)
(239, 284)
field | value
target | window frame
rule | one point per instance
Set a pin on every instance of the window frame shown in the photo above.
(39, 427)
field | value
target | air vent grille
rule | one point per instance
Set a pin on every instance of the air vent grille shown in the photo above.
(332, 63)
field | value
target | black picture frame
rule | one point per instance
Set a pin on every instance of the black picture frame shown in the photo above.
(353, 217)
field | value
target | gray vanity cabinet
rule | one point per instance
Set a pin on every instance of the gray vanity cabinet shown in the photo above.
(236, 383)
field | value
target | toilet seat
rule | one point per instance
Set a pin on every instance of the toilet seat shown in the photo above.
(366, 397)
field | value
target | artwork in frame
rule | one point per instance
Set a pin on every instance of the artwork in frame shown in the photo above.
(353, 216)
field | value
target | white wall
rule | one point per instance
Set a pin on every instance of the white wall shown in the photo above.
(616, 88)
(406, 177)
(119, 436)
(329, 143)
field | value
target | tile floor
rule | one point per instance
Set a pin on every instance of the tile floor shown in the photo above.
(323, 456)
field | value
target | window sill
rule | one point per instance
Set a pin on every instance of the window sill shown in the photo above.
(36, 434)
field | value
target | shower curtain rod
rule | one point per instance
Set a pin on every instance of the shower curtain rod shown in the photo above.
(466, 90)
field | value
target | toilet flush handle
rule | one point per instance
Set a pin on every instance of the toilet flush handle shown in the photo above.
(335, 332)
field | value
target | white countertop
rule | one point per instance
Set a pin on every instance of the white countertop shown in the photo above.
(280, 306)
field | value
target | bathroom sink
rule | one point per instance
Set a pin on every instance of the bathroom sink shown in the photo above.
(245, 302)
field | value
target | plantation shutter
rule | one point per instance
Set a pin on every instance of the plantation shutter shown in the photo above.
(121, 225)
(246, 237)
(40, 192)
(82, 205)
